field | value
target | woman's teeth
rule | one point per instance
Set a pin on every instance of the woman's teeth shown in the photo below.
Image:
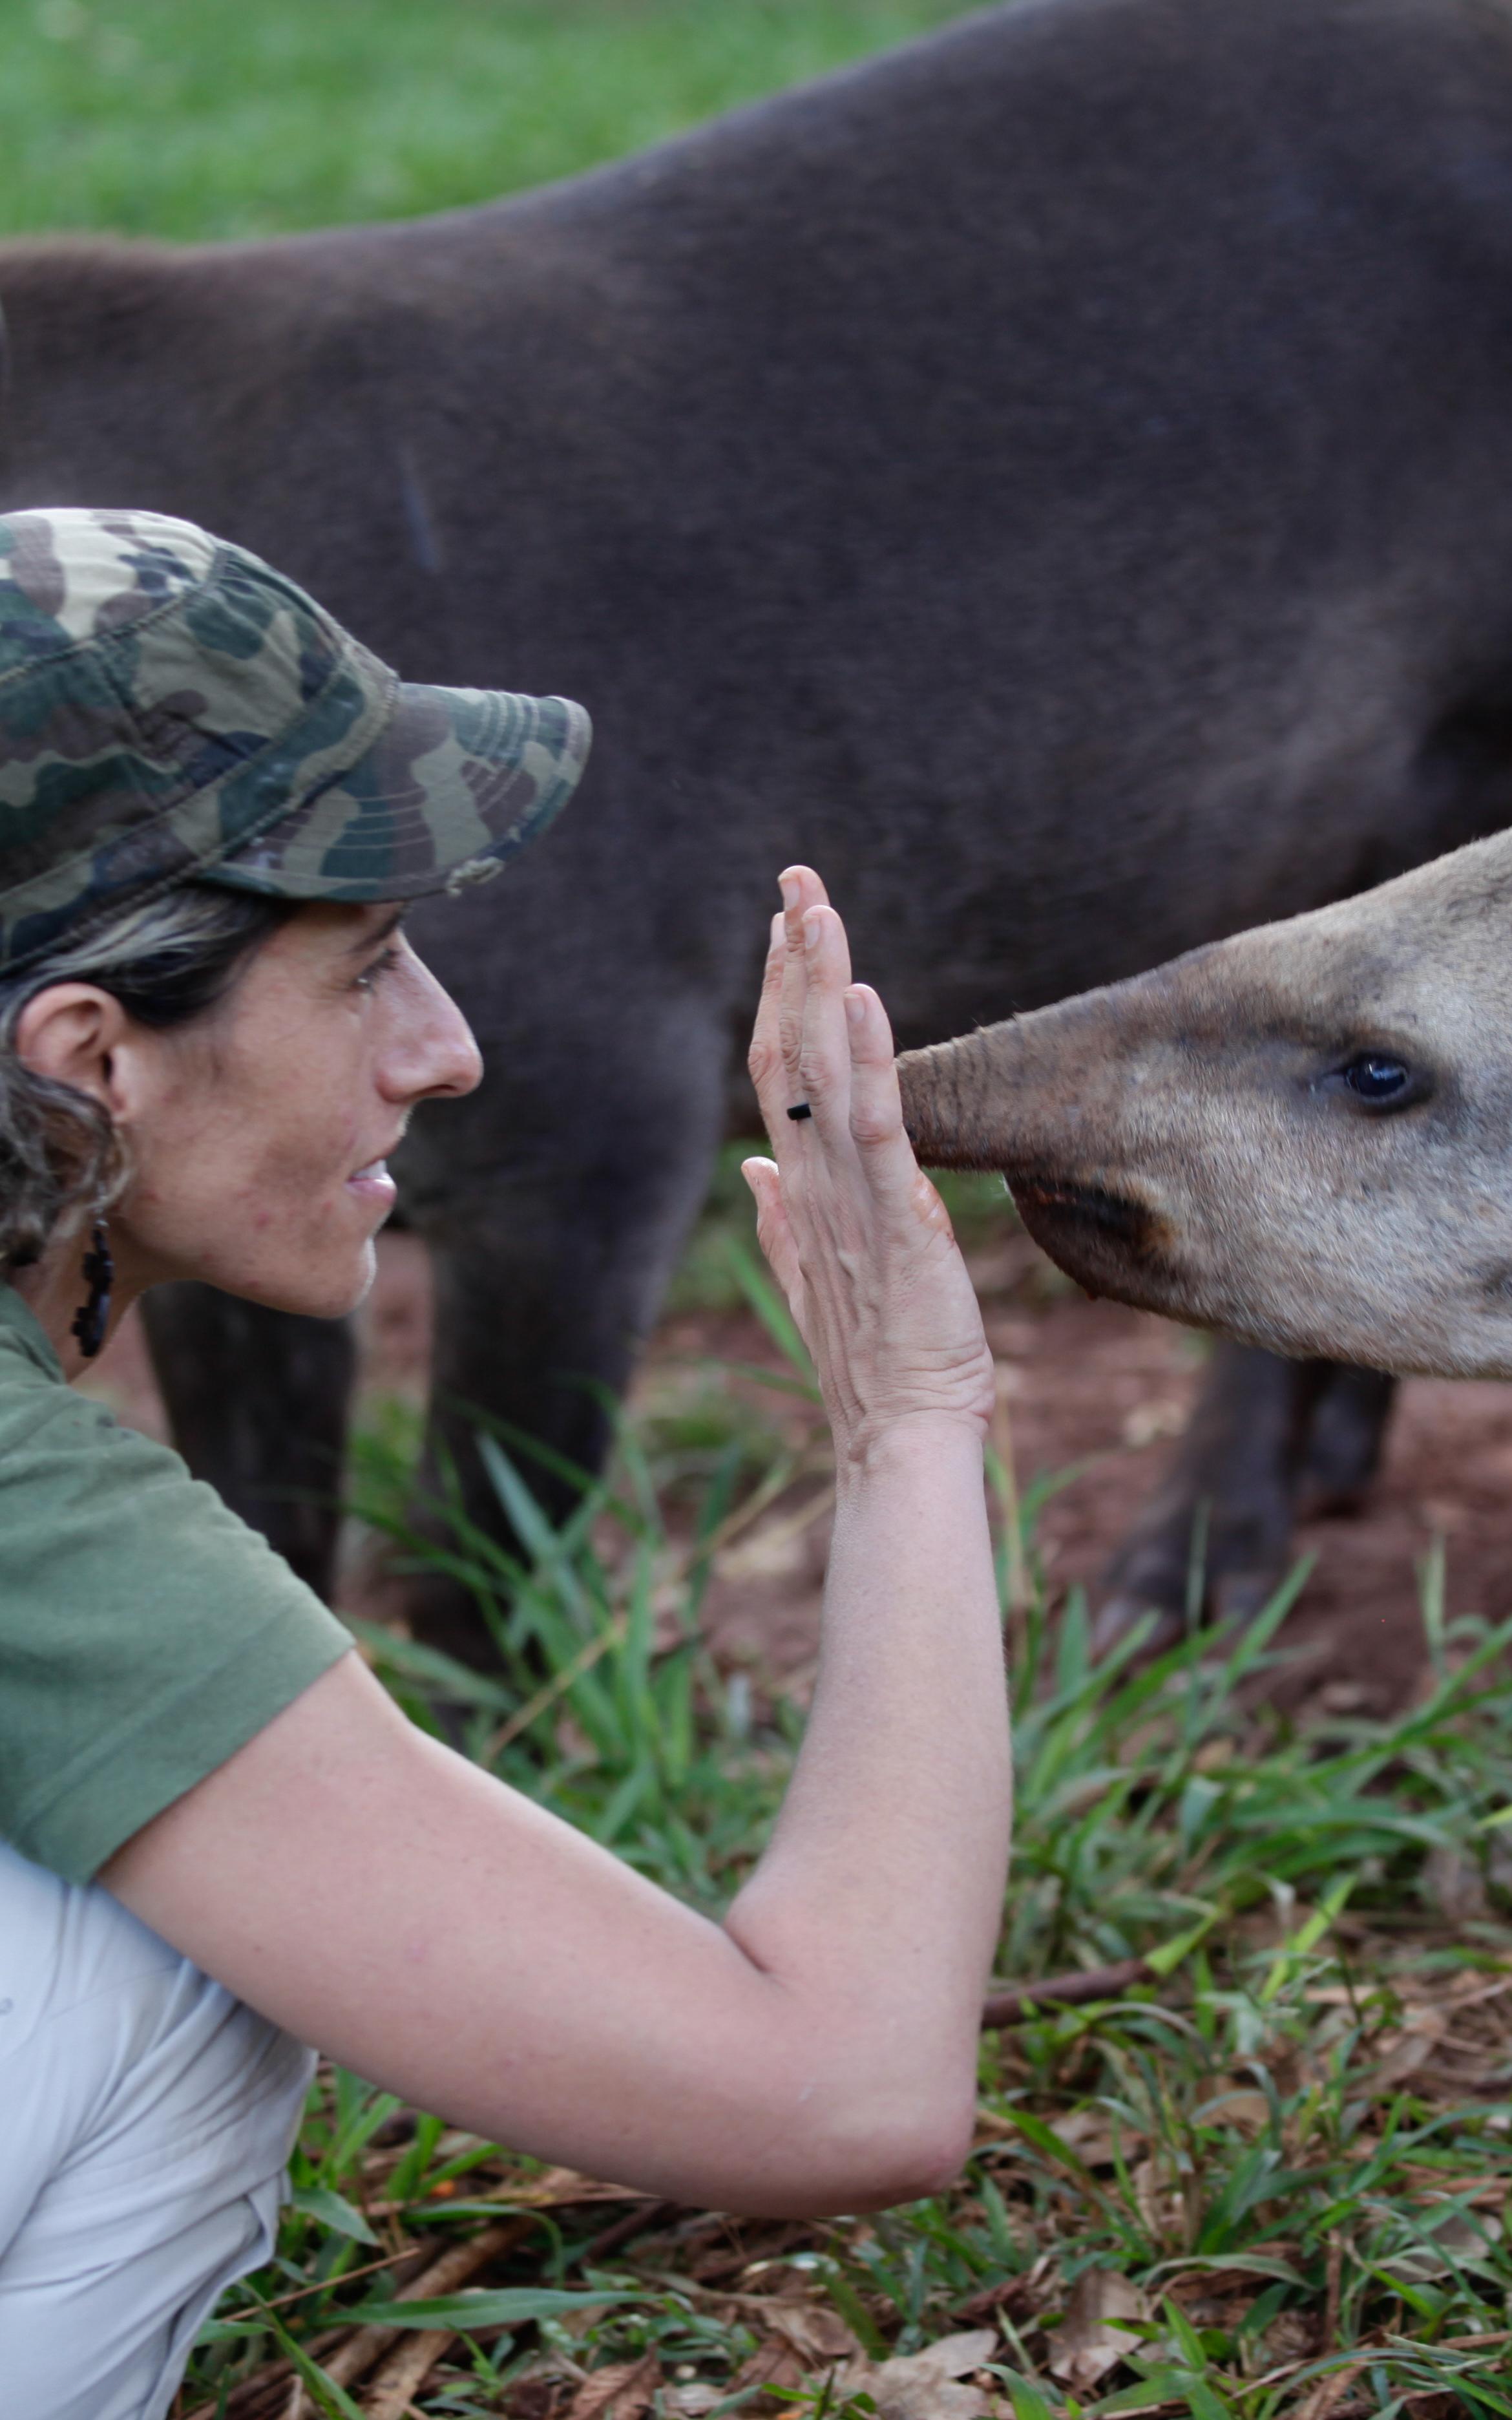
(373, 1168)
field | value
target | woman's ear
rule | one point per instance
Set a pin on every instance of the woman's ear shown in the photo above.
(72, 1032)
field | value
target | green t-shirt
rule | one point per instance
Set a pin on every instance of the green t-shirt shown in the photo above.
(146, 1633)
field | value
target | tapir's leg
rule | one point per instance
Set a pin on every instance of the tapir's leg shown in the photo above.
(257, 1400)
(1222, 1519)
(548, 1276)
(1267, 1439)
(1345, 1435)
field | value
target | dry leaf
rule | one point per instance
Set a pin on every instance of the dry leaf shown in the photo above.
(1453, 1885)
(1404, 2052)
(622, 2392)
(774, 2363)
(1242, 2106)
(1159, 1417)
(818, 2336)
(923, 2385)
(1090, 2135)
(1456, 2237)
(1089, 2343)
(1158, 2202)
(1292, 2336)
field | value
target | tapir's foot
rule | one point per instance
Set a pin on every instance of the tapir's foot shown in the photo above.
(1190, 1561)
(1265, 1438)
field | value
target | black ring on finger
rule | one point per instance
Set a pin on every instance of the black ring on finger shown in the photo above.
(799, 1110)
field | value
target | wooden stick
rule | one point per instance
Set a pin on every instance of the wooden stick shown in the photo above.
(261, 2396)
(645, 2220)
(456, 2266)
(1024, 2000)
(405, 2373)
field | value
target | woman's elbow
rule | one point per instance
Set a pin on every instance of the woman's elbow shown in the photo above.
(900, 2142)
(917, 2152)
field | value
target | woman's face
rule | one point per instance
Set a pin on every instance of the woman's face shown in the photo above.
(258, 1134)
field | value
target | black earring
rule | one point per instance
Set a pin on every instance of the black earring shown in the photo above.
(92, 1318)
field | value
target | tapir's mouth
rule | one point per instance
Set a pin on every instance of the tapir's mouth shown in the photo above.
(1109, 1243)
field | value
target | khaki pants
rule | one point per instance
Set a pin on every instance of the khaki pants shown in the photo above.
(145, 2118)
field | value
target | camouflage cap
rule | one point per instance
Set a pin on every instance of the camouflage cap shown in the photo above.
(173, 710)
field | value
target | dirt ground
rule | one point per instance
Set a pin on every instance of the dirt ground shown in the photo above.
(1082, 1382)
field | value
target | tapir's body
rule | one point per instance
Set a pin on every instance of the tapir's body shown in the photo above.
(1055, 479)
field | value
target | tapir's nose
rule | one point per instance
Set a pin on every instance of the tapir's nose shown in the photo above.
(1042, 1089)
(1043, 1099)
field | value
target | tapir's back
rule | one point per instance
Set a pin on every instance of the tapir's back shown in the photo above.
(1053, 475)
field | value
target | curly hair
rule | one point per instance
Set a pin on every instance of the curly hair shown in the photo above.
(167, 962)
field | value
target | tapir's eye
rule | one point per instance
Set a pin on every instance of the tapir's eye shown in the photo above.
(1380, 1077)
(1376, 1082)
(1375, 1076)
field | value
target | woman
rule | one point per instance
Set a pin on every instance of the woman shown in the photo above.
(225, 1841)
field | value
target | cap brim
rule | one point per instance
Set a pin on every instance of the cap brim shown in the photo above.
(458, 780)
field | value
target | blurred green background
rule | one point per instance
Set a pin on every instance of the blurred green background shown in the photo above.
(203, 118)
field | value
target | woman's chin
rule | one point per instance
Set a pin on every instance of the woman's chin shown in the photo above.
(308, 1294)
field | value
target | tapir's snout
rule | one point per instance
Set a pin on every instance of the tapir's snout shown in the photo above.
(1037, 1099)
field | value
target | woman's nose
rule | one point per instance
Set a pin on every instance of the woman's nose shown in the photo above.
(431, 1055)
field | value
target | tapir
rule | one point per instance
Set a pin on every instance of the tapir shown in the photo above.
(1302, 1135)
(1052, 478)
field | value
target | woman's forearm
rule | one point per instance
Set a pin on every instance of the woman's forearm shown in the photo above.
(881, 1893)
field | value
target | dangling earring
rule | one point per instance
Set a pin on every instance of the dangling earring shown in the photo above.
(92, 1318)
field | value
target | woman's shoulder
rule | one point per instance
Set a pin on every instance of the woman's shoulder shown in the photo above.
(145, 1632)
(62, 1452)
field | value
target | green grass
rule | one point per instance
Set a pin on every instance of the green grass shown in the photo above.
(198, 119)
(1289, 2141)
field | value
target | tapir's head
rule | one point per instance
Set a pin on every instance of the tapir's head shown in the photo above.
(1303, 1136)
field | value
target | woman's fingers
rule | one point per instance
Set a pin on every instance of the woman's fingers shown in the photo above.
(824, 1072)
(876, 1104)
(773, 1233)
(850, 1226)
(801, 891)
(768, 1072)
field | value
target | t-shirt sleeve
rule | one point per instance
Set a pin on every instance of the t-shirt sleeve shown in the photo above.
(146, 1633)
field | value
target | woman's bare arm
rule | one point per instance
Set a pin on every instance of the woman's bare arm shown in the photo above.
(438, 1932)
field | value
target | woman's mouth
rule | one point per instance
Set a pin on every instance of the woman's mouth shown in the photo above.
(374, 1183)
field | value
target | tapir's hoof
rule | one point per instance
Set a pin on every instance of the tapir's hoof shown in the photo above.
(1115, 1619)
(1233, 1598)
(1243, 1560)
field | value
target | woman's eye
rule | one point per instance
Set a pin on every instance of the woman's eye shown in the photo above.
(380, 967)
(1375, 1076)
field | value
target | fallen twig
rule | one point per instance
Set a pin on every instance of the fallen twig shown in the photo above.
(405, 2373)
(644, 2221)
(456, 2266)
(264, 2395)
(1012, 2007)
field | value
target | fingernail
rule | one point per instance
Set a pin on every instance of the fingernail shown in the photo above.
(856, 1008)
(811, 930)
(790, 894)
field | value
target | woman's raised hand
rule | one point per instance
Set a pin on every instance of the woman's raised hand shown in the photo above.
(857, 1235)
